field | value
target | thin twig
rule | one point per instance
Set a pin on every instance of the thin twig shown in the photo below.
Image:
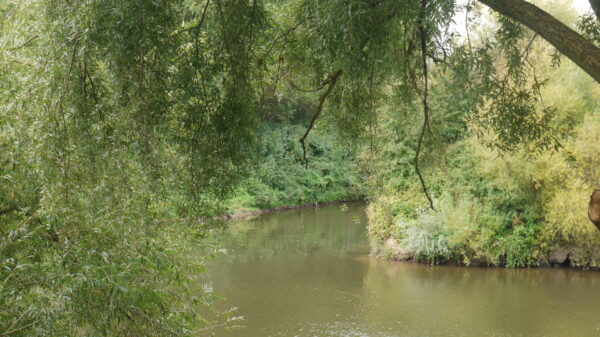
(525, 52)
(198, 25)
(467, 9)
(285, 34)
(252, 22)
(64, 156)
(28, 41)
(18, 329)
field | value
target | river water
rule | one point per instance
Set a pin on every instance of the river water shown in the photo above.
(308, 273)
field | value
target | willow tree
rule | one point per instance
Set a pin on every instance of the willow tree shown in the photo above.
(118, 117)
(117, 121)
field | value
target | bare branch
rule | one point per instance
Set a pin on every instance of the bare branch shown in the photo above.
(331, 81)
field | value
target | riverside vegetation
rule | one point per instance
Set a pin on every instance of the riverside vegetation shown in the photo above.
(123, 123)
(492, 206)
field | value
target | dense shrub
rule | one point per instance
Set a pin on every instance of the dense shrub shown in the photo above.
(282, 178)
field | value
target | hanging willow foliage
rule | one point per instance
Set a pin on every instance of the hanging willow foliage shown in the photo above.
(119, 117)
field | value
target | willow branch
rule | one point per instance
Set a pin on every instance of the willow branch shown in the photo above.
(467, 9)
(195, 26)
(12, 331)
(284, 34)
(331, 81)
(28, 41)
(525, 53)
(423, 36)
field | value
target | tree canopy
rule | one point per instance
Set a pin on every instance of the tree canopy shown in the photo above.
(183, 73)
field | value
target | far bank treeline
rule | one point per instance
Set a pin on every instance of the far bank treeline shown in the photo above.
(280, 176)
(124, 122)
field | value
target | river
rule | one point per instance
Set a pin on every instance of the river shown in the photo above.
(307, 273)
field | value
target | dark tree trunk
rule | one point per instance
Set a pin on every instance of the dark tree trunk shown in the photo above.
(594, 209)
(596, 7)
(570, 43)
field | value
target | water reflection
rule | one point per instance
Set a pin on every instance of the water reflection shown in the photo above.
(307, 273)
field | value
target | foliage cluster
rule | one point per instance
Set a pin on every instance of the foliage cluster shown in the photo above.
(115, 136)
(281, 178)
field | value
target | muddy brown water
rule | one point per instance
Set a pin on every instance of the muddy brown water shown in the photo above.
(307, 273)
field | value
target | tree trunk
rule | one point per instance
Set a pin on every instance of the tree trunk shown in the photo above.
(581, 51)
(596, 7)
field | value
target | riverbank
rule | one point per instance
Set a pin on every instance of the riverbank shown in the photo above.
(392, 250)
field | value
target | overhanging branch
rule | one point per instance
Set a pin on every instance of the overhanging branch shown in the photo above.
(330, 83)
(423, 37)
(573, 45)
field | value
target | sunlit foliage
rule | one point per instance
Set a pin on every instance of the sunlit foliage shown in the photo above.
(494, 206)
